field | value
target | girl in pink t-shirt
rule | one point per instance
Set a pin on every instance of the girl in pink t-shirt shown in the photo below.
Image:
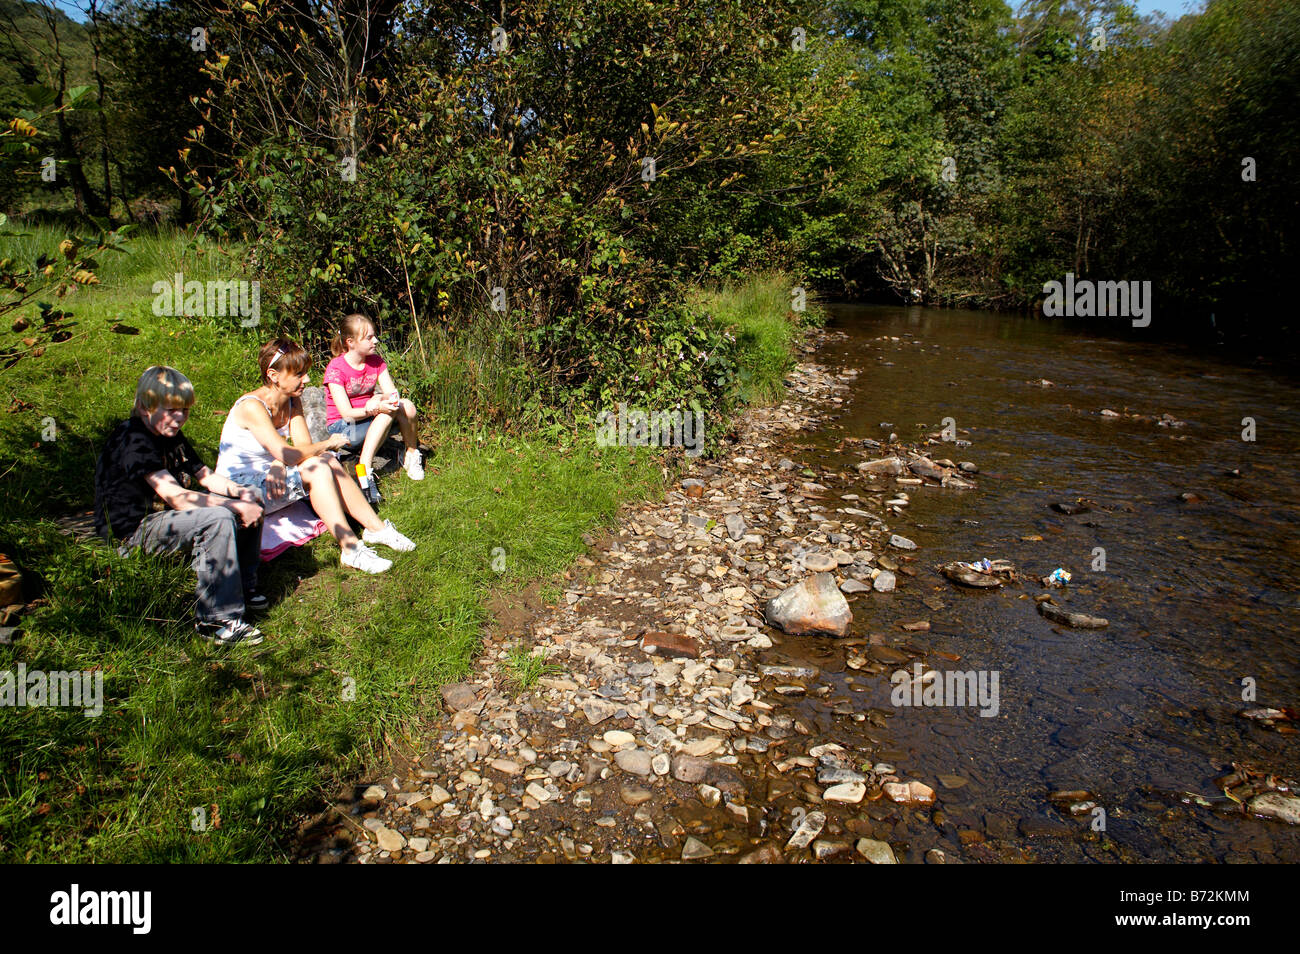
(361, 400)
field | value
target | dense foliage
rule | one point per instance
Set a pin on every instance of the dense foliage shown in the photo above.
(518, 191)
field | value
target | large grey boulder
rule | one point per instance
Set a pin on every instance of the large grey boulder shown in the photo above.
(313, 408)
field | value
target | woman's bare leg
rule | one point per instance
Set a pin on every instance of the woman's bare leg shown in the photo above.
(323, 490)
(353, 499)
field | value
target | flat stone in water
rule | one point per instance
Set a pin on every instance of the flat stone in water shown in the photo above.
(854, 586)
(694, 849)
(820, 562)
(877, 852)
(1277, 805)
(808, 829)
(885, 582)
(835, 775)
(901, 542)
(848, 792)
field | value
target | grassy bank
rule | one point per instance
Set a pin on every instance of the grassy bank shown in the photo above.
(349, 661)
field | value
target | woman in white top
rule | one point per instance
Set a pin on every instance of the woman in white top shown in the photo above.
(255, 452)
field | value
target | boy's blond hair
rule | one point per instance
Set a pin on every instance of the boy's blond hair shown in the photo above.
(161, 385)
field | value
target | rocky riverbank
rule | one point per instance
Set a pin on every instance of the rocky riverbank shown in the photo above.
(674, 722)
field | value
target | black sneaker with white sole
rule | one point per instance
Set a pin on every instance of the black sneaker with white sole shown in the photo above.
(256, 601)
(229, 632)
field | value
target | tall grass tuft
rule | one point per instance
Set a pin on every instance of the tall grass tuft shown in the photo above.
(758, 313)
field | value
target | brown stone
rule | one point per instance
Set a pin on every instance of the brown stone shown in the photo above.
(671, 645)
(767, 855)
(460, 695)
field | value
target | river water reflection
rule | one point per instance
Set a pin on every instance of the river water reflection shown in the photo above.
(1200, 595)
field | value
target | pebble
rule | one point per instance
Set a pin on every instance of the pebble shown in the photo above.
(823, 848)
(617, 737)
(808, 829)
(634, 794)
(848, 792)
(537, 792)
(694, 849)
(636, 761)
(877, 852)
(390, 840)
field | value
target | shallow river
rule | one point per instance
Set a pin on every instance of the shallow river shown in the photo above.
(1201, 595)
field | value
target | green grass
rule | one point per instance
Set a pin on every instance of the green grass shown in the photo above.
(350, 661)
(524, 667)
(758, 312)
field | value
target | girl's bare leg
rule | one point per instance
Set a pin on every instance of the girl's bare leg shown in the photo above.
(375, 436)
(406, 415)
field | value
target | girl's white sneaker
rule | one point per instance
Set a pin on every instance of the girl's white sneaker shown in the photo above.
(389, 537)
(411, 464)
(362, 558)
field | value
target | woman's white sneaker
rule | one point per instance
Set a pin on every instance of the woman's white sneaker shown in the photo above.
(411, 464)
(389, 537)
(362, 558)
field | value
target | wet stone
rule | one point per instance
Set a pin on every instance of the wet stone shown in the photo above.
(695, 849)
(876, 852)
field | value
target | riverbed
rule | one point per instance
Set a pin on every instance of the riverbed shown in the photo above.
(1200, 593)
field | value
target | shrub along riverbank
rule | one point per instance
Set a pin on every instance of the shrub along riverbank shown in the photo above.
(204, 754)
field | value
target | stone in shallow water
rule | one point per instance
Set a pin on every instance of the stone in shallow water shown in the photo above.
(1056, 614)
(848, 792)
(808, 829)
(1277, 805)
(689, 769)
(819, 562)
(885, 465)
(877, 852)
(885, 582)
(903, 543)
(695, 848)
(854, 586)
(823, 848)
(812, 606)
(767, 855)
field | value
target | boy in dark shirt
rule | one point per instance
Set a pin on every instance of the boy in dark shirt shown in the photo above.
(147, 461)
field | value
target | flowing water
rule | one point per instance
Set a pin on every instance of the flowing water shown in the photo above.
(1201, 594)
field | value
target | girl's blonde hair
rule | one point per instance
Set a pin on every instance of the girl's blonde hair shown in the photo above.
(353, 326)
(161, 385)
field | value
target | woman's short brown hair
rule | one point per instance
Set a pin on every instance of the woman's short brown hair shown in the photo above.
(282, 355)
